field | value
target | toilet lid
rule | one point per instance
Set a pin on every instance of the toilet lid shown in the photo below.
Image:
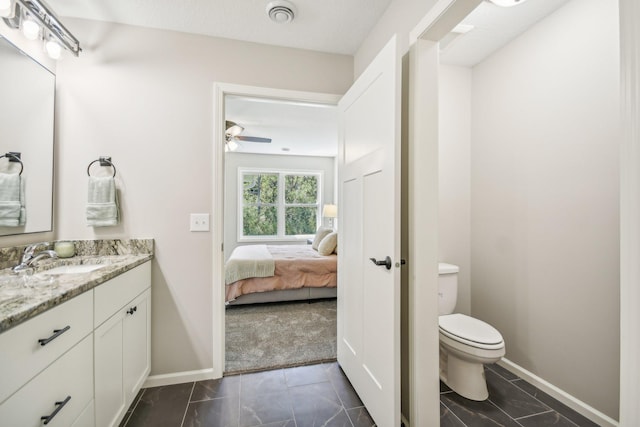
(460, 327)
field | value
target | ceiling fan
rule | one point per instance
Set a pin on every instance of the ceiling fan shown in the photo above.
(232, 135)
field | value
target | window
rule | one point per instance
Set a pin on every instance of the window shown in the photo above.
(278, 205)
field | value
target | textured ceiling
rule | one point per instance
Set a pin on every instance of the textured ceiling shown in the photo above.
(336, 26)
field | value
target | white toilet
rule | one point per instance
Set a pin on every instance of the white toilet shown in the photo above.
(465, 343)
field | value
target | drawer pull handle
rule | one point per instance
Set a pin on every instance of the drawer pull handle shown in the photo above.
(59, 405)
(56, 334)
(132, 310)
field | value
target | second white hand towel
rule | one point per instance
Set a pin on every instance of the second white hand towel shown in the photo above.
(102, 202)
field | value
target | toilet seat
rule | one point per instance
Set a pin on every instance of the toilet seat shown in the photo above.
(470, 331)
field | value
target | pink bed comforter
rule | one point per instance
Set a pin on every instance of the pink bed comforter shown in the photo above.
(296, 266)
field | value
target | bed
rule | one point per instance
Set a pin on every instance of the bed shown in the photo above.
(269, 273)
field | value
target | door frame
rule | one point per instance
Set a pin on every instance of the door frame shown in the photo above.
(220, 90)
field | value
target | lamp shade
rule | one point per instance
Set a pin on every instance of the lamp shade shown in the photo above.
(330, 211)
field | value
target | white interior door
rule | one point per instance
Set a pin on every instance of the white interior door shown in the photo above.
(369, 193)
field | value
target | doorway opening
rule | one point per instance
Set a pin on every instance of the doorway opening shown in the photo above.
(276, 172)
(499, 171)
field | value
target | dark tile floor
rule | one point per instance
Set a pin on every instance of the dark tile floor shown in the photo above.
(321, 395)
(314, 395)
(512, 402)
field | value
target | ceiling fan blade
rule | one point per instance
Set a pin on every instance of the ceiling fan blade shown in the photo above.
(252, 139)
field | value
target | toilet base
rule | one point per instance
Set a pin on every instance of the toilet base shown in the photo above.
(464, 377)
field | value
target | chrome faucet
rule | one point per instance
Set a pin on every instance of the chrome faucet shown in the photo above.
(30, 257)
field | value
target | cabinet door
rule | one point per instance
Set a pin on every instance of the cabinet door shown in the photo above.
(136, 356)
(109, 390)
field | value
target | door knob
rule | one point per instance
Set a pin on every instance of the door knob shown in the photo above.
(386, 262)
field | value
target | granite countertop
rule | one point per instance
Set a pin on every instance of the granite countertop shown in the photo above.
(24, 296)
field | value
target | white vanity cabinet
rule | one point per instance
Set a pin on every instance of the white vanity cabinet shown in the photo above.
(82, 362)
(122, 323)
(46, 366)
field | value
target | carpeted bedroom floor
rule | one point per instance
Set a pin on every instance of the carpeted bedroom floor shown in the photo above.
(277, 335)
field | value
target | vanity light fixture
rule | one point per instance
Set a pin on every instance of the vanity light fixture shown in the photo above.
(37, 21)
(5, 8)
(53, 48)
(30, 28)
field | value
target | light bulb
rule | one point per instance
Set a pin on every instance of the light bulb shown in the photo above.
(53, 48)
(5, 8)
(30, 28)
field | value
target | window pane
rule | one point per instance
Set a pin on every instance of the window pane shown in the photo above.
(300, 220)
(301, 189)
(260, 188)
(260, 221)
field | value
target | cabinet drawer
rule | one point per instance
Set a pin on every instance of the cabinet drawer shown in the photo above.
(69, 378)
(22, 356)
(111, 296)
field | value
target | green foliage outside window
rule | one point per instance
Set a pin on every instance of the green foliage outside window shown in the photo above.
(263, 205)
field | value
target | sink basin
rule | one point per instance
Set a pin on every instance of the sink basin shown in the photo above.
(74, 269)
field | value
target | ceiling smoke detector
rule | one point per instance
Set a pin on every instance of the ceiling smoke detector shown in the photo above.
(281, 11)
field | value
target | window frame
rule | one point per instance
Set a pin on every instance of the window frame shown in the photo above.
(281, 204)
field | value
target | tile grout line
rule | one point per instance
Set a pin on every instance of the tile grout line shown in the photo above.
(526, 392)
(552, 409)
(293, 412)
(534, 415)
(144, 390)
(338, 394)
(186, 409)
(453, 413)
(504, 412)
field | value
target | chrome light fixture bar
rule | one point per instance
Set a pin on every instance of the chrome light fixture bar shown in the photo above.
(19, 12)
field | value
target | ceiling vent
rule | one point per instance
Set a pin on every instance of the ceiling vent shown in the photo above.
(281, 11)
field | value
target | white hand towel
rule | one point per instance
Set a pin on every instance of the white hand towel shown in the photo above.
(12, 209)
(102, 202)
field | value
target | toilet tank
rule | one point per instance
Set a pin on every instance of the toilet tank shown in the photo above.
(447, 288)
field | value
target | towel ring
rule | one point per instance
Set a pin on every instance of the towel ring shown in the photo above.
(14, 157)
(104, 161)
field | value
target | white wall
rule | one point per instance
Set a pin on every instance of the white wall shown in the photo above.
(454, 181)
(145, 97)
(544, 187)
(236, 160)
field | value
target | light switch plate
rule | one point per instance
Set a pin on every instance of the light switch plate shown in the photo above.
(199, 222)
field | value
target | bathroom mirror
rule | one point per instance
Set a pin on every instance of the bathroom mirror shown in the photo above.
(27, 91)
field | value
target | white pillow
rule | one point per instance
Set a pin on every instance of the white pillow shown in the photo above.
(328, 244)
(320, 234)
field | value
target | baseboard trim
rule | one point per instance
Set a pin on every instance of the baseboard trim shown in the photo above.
(560, 395)
(178, 378)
